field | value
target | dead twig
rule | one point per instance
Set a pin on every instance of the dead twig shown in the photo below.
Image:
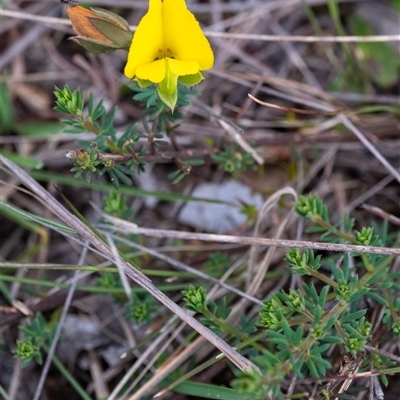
(128, 227)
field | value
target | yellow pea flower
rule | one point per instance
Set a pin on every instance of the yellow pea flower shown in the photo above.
(168, 45)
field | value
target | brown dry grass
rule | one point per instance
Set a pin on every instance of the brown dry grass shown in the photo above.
(309, 138)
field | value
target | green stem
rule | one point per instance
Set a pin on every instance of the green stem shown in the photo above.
(339, 329)
(4, 394)
(368, 276)
(335, 312)
(328, 227)
(348, 238)
(300, 321)
(321, 277)
(71, 267)
(391, 308)
(91, 289)
(87, 124)
(367, 264)
(222, 324)
(74, 383)
(229, 329)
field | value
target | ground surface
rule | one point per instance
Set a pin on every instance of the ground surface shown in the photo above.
(331, 128)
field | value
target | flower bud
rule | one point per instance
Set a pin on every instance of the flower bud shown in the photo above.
(99, 30)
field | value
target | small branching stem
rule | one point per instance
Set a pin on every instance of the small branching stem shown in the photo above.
(322, 277)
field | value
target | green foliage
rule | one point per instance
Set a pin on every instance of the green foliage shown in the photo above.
(27, 351)
(379, 60)
(312, 208)
(217, 263)
(207, 391)
(392, 318)
(301, 263)
(7, 115)
(141, 308)
(69, 102)
(178, 175)
(302, 326)
(109, 280)
(250, 382)
(343, 322)
(195, 299)
(115, 204)
(86, 163)
(119, 157)
(380, 362)
(365, 237)
(215, 315)
(37, 335)
(297, 328)
(251, 212)
(366, 63)
(233, 160)
(156, 110)
(263, 386)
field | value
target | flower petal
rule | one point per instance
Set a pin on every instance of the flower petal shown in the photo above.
(154, 72)
(147, 44)
(183, 37)
(179, 67)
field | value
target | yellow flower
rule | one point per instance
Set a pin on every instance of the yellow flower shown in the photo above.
(168, 44)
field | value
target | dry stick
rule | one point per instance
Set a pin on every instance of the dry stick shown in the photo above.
(60, 326)
(120, 267)
(349, 125)
(369, 193)
(382, 214)
(163, 371)
(236, 135)
(54, 206)
(383, 353)
(100, 387)
(166, 368)
(242, 36)
(183, 267)
(233, 130)
(188, 351)
(294, 56)
(27, 39)
(131, 228)
(304, 39)
(161, 338)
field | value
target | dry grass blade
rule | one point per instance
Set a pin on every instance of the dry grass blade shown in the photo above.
(349, 124)
(57, 209)
(60, 326)
(230, 233)
(183, 267)
(127, 227)
(264, 38)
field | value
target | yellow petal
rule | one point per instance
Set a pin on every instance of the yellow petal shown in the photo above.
(179, 67)
(147, 44)
(183, 37)
(154, 72)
